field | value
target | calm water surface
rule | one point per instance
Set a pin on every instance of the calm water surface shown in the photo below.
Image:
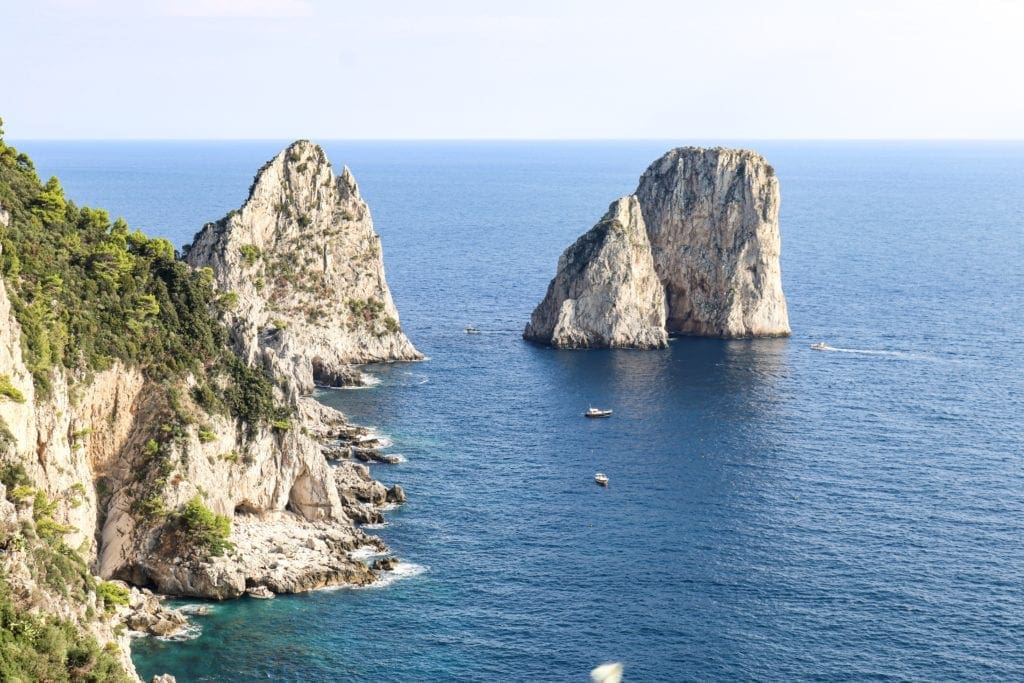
(774, 512)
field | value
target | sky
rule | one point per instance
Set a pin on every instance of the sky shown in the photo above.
(551, 69)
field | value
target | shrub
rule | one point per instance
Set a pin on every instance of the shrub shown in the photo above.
(112, 594)
(205, 528)
(9, 390)
(40, 648)
(206, 434)
(250, 254)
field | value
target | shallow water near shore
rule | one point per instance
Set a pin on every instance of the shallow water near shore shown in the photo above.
(774, 512)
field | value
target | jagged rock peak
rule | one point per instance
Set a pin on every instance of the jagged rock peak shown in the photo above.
(712, 219)
(306, 274)
(606, 292)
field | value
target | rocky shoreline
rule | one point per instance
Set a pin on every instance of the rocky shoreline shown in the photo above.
(225, 478)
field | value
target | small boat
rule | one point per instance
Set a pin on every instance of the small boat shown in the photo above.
(598, 412)
(472, 330)
(601, 478)
(820, 346)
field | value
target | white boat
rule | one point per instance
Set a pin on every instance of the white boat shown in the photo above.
(472, 330)
(601, 478)
(598, 412)
(820, 346)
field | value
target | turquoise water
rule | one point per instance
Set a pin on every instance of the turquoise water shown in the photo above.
(774, 512)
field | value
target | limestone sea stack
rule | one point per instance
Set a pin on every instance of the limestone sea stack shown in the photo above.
(606, 292)
(710, 231)
(712, 217)
(303, 274)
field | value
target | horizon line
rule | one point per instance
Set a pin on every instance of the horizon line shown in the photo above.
(509, 139)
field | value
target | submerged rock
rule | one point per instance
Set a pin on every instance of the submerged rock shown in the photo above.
(606, 292)
(695, 251)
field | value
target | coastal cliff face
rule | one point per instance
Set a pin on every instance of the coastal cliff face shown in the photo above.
(710, 218)
(202, 473)
(307, 274)
(606, 292)
(713, 220)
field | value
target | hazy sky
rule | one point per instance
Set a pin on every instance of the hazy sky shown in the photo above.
(525, 69)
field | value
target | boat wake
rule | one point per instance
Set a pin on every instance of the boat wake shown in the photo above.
(902, 355)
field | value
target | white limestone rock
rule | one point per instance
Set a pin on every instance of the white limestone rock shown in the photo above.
(606, 292)
(710, 219)
(305, 264)
(712, 216)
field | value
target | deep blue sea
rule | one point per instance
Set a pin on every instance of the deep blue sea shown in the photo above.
(774, 513)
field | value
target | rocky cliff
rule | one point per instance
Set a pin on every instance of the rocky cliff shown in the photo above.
(712, 238)
(606, 292)
(156, 455)
(713, 220)
(307, 274)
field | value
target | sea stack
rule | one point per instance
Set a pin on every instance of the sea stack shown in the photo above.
(712, 217)
(304, 274)
(606, 292)
(711, 234)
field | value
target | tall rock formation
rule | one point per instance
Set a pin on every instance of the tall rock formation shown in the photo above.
(306, 273)
(199, 475)
(712, 237)
(712, 216)
(606, 292)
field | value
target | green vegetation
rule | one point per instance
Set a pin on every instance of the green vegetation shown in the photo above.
(250, 254)
(39, 648)
(9, 390)
(87, 292)
(366, 310)
(206, 434)
(113, 595)
(203, 527)
(282, 425)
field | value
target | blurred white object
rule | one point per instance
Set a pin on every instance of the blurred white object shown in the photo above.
(607, 673)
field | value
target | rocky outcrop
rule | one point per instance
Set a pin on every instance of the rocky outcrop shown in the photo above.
(108, 460)
(606, 292)
(146, 613)
(304, 271)
(710, 218)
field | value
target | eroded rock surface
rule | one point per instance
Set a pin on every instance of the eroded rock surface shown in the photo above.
(306, 274)
(710, 235)
(606, 292)
(712, 216)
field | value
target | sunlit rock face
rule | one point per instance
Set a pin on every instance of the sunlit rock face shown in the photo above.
(712, 216)
(606, 292)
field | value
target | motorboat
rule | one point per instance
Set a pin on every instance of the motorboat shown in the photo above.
(472, 330)
(598, 412)
(601, 478)
(820, 346)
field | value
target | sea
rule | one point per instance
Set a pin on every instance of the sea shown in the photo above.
(774, 512)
